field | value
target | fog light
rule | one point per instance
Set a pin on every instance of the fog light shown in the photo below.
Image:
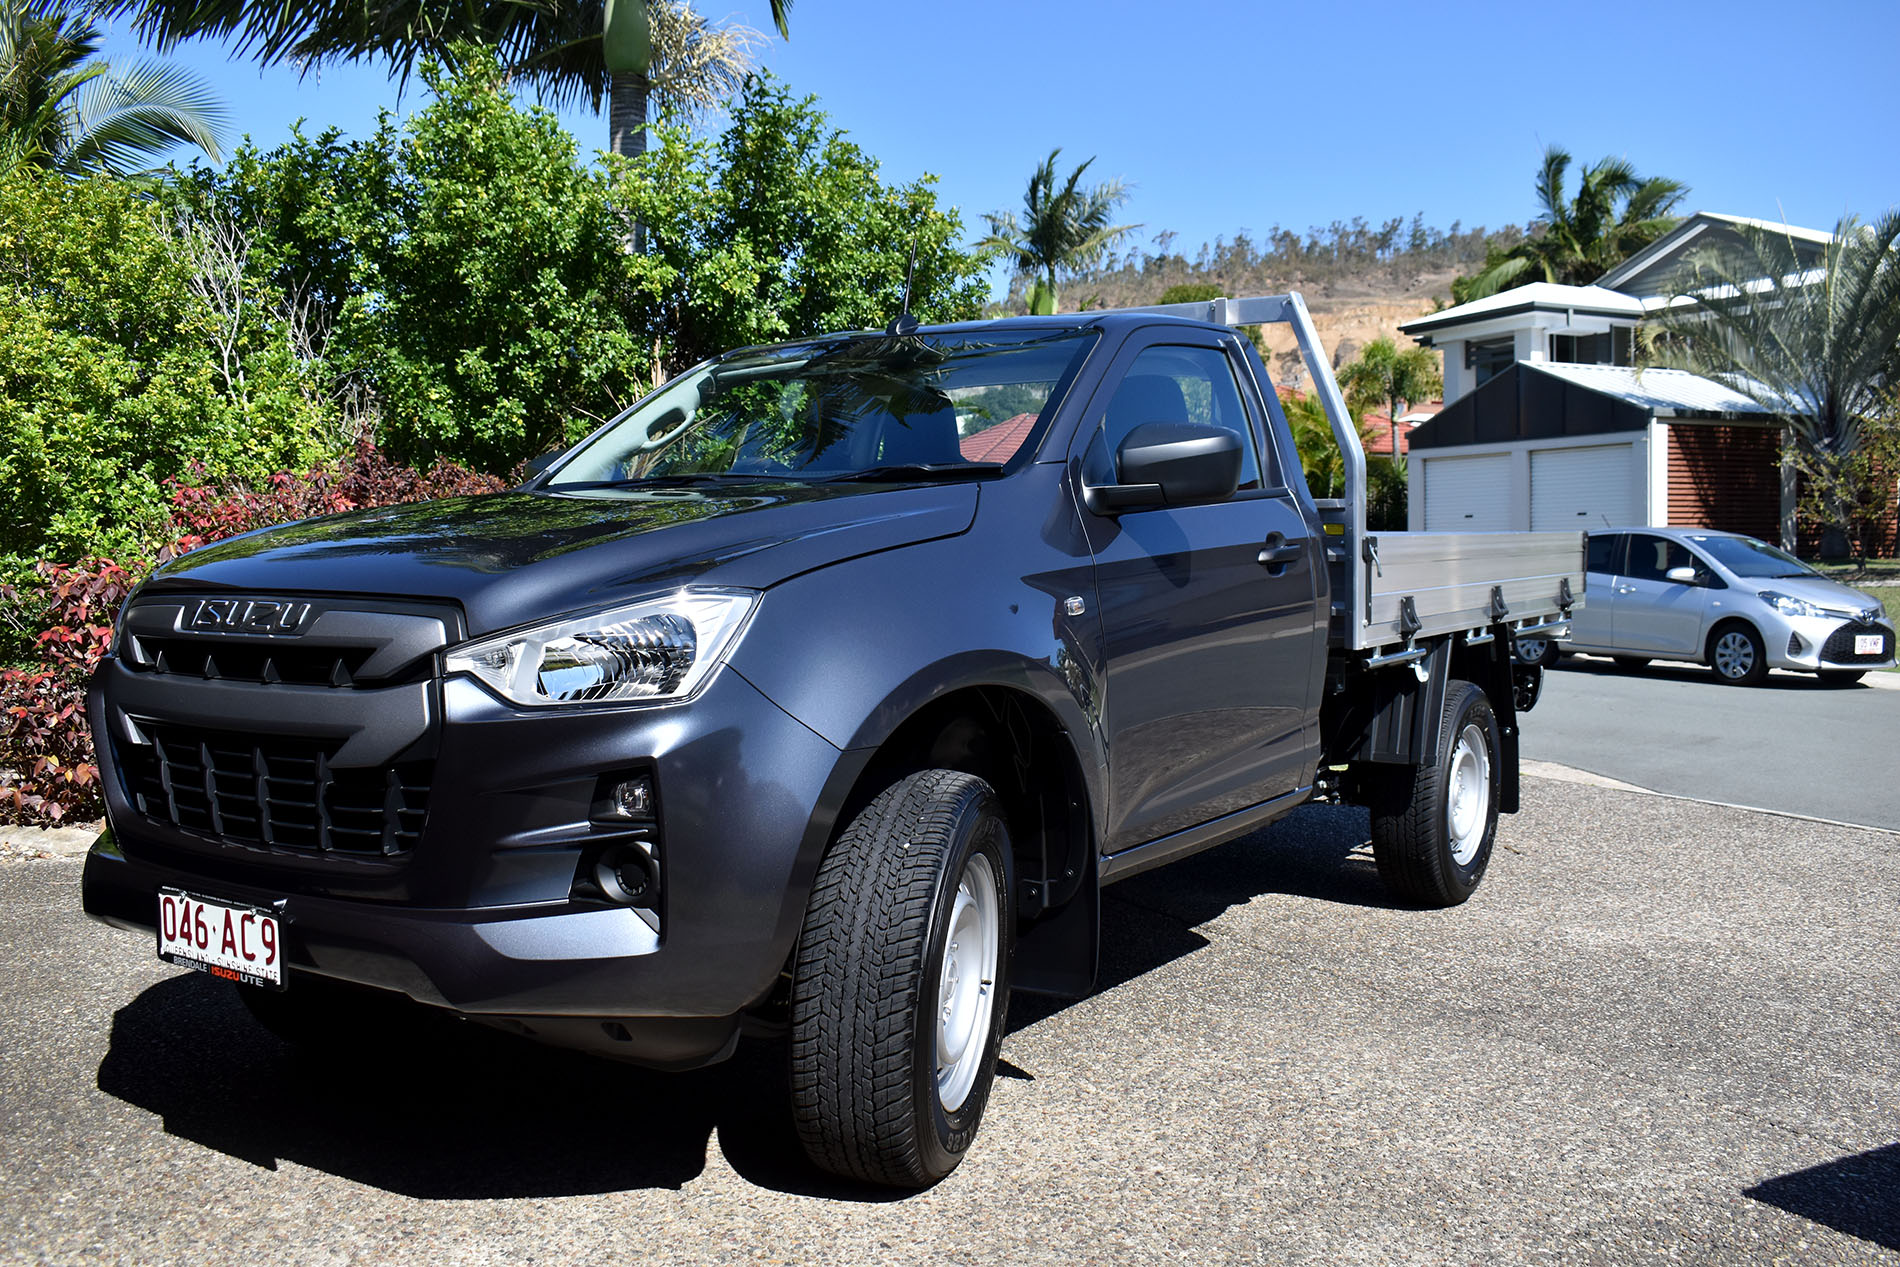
(632, 798)
(626, 876)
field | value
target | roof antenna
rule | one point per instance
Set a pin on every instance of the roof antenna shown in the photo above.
(904, 323)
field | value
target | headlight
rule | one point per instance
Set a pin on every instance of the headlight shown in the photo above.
(1791, 606)
(662, 649)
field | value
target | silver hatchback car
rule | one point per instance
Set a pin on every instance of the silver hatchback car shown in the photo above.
(1731, 602)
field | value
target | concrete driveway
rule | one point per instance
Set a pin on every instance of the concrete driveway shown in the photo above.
(1789, 744)
(1662, 1031)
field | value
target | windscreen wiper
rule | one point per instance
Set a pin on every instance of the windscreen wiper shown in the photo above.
(899, 472)
(680, 480)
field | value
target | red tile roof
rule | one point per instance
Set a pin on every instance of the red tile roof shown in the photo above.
(998, 443)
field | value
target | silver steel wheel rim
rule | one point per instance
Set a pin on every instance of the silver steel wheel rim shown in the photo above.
(1734, 654)
(967, 991)
(1468, 798)
(1530, 649)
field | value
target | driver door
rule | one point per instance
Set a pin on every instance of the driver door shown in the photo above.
(1214, 655)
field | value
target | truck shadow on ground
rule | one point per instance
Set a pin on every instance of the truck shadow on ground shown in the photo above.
(1858, 1195)
(438, 1109)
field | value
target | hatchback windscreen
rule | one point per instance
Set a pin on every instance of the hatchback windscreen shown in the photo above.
(1745, 556)
(863, 407)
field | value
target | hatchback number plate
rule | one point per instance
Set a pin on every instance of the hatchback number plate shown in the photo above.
(1867, 644)
(225, 939)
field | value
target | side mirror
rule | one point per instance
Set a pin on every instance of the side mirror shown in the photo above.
(1170, 464)
(1683, 576)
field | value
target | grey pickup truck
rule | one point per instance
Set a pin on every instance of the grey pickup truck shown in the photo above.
(817, 696)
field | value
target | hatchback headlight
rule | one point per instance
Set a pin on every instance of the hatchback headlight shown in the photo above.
(1788, 605)
(660, 650)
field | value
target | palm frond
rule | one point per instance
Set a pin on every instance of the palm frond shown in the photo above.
(1820, 348)
(120, 121)
(62, 106)
(696, 64)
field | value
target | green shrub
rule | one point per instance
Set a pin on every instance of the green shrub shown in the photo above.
(475, 275)
(109, 378)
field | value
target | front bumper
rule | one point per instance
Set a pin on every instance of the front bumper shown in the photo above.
(482, 917)
(1808, 644)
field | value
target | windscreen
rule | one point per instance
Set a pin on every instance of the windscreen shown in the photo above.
(906, 406)
(1745, 556)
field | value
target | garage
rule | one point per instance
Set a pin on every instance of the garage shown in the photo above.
(1587, 487)
(1466, 494)
(1552, 446)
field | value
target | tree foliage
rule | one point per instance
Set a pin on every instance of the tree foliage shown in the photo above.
(1384, 375)
(1818, 345)
(782, 228)
(1065, 228)
(457, 286)
(1575, 240)
(567, 50)
(64, 108)
(109, 379)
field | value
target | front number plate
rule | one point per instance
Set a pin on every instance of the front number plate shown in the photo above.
(225, 939)
(1867, 644)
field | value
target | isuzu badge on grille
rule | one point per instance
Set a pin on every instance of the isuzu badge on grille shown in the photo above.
(248, 615)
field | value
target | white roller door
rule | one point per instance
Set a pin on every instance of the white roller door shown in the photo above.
(1468, 494)
(1586, 488)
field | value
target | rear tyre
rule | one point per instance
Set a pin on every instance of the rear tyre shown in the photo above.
(1541, 652)
(901, 983)
(1737, 655)
(1433, 825)
(1841, 677)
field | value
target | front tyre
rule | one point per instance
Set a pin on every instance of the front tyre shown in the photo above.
(1433, 825)
(901, 982)
(1737, 655)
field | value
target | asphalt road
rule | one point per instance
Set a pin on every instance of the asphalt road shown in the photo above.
(1661, 1031)
(1788, 745)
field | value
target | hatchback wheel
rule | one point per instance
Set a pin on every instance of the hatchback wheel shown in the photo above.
(1737, 655)
(1541, 652)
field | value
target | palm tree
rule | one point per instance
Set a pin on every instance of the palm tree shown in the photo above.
(1614, 215)
(618, 52)
(1384, 375)
(66, 109)
(1815, 343)
(1062, 232)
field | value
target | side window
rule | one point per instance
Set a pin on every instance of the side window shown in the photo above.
(1606, 552)
(1652, 557)
(1181, 384)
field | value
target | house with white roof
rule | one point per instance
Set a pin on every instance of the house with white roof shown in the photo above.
(1548, 424)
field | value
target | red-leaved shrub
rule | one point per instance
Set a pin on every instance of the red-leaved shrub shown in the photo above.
(48, 771)
(47, 768)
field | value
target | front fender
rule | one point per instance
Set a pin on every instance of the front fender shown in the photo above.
(854, 650)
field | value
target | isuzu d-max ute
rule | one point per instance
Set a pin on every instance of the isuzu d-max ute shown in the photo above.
(817, 695)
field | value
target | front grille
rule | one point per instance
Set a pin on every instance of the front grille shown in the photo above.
(289, 665)
(1839, 647)
(275, 793)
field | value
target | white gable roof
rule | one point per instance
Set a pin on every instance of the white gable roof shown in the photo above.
(1545, 296)
(1659, 391)
(1662, 255)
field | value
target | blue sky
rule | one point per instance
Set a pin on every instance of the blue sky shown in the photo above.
(1239, 116)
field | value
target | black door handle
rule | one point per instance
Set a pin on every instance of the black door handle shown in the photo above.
(1277, 552)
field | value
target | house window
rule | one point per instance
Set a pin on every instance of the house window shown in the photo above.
(1612, 347)
(1489, 358)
